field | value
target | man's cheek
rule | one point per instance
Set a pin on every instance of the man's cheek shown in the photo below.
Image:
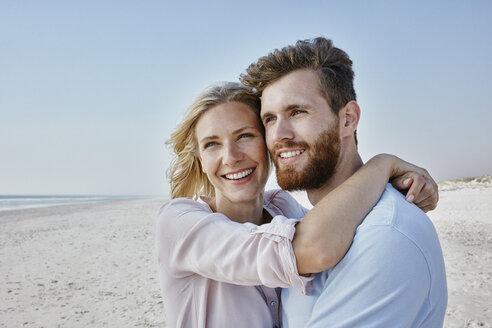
(268, 139)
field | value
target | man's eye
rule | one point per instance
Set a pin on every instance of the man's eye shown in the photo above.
(269, 119)
(298, 111)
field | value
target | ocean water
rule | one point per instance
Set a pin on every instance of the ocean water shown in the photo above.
(18, 202)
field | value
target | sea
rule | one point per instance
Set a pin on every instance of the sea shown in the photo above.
(19, 202)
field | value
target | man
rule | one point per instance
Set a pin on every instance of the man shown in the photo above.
(393, 275)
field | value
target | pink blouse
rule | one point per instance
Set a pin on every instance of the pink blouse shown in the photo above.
(215, 272)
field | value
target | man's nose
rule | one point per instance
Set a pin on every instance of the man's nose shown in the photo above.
(282, 130)
(231, 154)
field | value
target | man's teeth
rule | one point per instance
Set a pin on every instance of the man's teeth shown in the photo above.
(239, 175)
(291, 153)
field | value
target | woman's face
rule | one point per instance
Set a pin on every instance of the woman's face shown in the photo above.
(232, 151)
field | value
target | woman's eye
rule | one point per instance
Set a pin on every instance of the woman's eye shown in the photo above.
(209, 144)
(245, 135)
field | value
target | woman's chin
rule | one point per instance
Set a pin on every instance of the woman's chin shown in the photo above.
(246, 197)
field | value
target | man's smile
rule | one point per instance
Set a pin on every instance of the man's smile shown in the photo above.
(292, 153)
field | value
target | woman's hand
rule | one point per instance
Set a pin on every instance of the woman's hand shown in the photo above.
(420, 187)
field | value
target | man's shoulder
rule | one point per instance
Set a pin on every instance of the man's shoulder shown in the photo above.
(393, 210)
(396, 245)
(393, 230)
(394, 215)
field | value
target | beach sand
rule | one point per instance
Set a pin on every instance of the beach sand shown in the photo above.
(94, 265)
(463, 221)
(91, 265)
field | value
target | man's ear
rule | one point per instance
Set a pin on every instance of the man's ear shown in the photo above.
(349, 117)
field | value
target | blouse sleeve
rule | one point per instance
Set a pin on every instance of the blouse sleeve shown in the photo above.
(282, 202)
(193, 240)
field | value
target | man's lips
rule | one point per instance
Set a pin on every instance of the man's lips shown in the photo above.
(290, 153)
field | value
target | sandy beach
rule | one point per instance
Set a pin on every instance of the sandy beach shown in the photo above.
(90, 265)
(94, 265)
(463, 220)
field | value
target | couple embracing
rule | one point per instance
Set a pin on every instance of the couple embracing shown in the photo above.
(231, 254)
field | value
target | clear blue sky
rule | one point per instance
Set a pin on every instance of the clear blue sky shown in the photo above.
(90, 90)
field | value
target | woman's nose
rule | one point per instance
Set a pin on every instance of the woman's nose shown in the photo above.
(232, 154)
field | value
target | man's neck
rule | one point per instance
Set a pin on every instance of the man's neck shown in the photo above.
(346, 166)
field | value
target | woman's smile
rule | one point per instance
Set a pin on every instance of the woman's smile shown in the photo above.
(239, 175)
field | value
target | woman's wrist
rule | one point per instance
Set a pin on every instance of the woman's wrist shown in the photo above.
(386, 163)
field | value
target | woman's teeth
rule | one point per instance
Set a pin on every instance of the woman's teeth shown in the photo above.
(291, 153)
(240, 175)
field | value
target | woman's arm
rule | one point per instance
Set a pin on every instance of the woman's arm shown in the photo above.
(191, 239)
(325, 234)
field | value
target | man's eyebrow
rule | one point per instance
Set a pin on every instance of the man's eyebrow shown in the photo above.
(297, 106)
(287, 109)
(267, 114)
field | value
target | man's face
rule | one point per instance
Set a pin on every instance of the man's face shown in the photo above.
(301, 131)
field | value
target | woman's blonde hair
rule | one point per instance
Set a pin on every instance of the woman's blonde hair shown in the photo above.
(185, 172)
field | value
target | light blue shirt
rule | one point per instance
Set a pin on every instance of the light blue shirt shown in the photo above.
(392, 276)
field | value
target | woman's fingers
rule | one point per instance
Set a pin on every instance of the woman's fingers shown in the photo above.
(428, 203)
(418, 183)
(421, 188)
(402, 182)
(428, 196)
(423, 192)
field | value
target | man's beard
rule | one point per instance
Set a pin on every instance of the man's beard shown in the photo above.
(323, 158)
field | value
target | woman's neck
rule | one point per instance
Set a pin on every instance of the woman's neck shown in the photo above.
(248, 211)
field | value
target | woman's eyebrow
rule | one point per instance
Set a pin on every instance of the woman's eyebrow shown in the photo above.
(208, 138)
(241, 129)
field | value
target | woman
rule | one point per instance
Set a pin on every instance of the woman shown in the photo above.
(220, 259)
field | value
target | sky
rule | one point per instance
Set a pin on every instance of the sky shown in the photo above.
(91, 90)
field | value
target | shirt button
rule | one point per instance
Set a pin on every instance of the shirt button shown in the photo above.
(273, 303)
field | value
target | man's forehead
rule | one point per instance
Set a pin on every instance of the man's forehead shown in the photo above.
(301, 84)
(278, 100)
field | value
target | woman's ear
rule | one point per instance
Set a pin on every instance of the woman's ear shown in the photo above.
(200, 162)
(349, 117)
(199, 159)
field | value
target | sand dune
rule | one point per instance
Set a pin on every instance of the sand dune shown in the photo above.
(93, 265)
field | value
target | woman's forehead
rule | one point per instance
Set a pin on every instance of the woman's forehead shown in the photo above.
(227, 118)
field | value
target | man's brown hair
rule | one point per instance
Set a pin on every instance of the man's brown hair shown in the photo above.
(333, 66)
